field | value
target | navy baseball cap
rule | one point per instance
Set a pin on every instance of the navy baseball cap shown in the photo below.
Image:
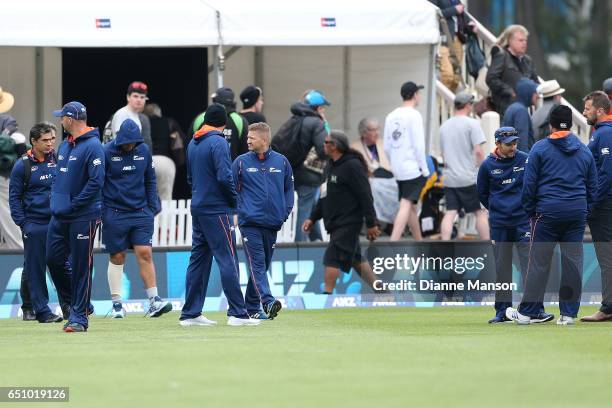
(74, 110)
(506, 134)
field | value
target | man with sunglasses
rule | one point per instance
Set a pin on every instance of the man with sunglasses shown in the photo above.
(500, 182)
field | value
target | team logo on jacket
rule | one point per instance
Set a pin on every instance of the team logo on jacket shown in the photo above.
(45, 177)
(275, 170)
(64, 169)
(605, 150)
(137, 157)
(34, 168)
(129, 168)
(51, 165)
(81, 236)
(516, 168)
(508, 181)
(252, 169)
(71, 158)
(116, 158)
(496, 171)
(97, 162)
(60, 157)
(333, 178)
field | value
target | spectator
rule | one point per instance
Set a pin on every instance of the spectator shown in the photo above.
(384, 186)
(517, 114)
(461, 143)
(136, 98)
(163, 151)
(404, 142)
(237, 126)
(310, 174)
(347, 203)
(252, 104)
(457, 22)
(607, 88)
(509, 63)
(551, 92)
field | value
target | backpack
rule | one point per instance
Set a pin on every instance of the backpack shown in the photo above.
(8, 155)
(474, 57)
(287, 142)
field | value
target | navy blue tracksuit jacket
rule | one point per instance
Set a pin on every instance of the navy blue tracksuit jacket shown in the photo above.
(30, 210)
(213, 205)
(559, 189)
(264, 183)
(76, 201)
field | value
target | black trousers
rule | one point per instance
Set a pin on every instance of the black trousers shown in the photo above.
(24, 292)
(600, 223)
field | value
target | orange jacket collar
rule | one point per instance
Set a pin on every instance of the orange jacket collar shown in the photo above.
(205, 129)
(560, 134)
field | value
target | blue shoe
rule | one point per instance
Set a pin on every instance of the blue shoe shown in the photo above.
(543, 317)
(159, 307)
(259, 316)
(272, 309)
(499, 319)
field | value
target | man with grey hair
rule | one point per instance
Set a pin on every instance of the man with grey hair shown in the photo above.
(264, 183)
(461, 140)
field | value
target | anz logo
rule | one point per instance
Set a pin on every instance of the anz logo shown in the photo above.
(129, 168)
(45, 177)
(508, 181)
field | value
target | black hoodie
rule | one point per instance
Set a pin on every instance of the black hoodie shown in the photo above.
(349, 197)
(312, 134)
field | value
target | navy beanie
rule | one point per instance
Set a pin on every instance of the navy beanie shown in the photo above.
(215, 115)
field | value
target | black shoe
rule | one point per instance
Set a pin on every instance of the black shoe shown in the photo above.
(65, 311)
(74, 328)
(52, 318)
(272, 309)
(29, 315)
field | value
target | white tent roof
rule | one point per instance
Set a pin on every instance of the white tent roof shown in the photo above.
(163, 23)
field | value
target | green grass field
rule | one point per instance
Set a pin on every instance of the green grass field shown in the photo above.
(391, 357)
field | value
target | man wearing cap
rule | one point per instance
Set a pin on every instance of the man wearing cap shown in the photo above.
(596, 108)
(136, 98)
(461, 144)
(252, 103)
(517, 114)
(237, 126)
(500, 184)
(551, 93)
(559, 189)
(130, 203)
(76, 201)
(404, 142)
(213, 205)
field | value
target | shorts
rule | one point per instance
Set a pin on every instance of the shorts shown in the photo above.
(123, 230)
(411, 189)
(462, 197)
(343, 249)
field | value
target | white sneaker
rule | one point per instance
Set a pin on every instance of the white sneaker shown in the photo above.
(235, 321)
(515, 316)
(565, 320)
(117, 312)
(197, 321)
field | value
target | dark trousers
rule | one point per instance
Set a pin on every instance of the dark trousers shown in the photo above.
(505, 240)
(35, 268)
(24, 291)
(546, 233)
(600, 224)
(212, 236)
(74, 240)
(259, 248)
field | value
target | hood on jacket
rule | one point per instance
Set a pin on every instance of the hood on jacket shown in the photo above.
(129, 132)
(565, 141)
(207, 130)
(525, 88)
(301, 109)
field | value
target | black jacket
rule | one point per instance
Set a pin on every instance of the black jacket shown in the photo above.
(503, 74)
(312, 134)
(449, 12)
(349, 197)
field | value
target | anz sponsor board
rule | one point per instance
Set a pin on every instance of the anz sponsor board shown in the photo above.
(298, 281)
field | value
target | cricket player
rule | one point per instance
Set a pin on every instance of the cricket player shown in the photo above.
(130, 204)
(213, 206)
(76, 202)
(264, 183)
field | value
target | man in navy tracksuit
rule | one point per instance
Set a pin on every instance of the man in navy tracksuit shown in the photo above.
(500, 183)
(213, 206)
(558, 191)
(76, 200)
(130, 204)
(29, 192)
(597, 112)
(264, 182)
(517, 114)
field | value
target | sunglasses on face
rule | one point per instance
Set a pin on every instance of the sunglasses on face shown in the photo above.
(328, 142)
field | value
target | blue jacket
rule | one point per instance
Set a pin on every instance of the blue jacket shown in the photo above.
(209, 171)
(500, 185)
(265, 189)
(601, 148)
(76, 194)
(560, 178)
(517, 114)
(130, 183)
(33, 205)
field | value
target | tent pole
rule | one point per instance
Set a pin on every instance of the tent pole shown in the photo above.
(39, 66)
(259, 64)
(218, 54)
(431, 90)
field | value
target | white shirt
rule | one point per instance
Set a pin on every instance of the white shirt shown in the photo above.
(120, 116)
(404, 142)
